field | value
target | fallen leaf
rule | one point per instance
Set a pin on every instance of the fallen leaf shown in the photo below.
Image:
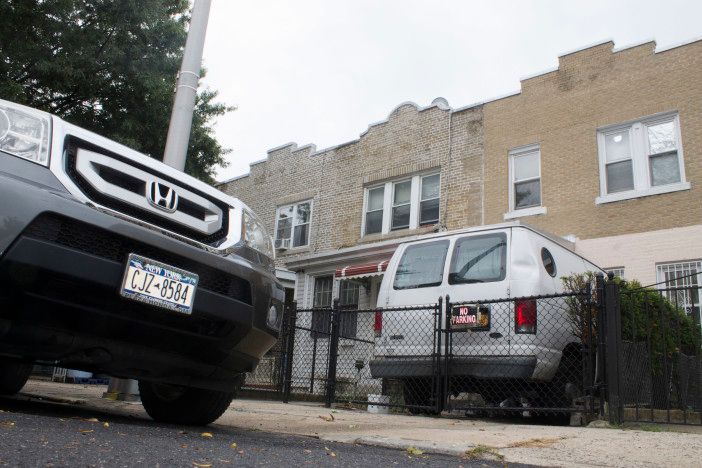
(7, 423)
(182, 432)
(414, 451)
(233, 445)
(183, 445)
(207, 435)
(351, 426)
(240, 452)
(332, 454)
(91, 420)
(85, 431)
(106, 424)
(202, 465)
(307, 451)
(329, 418)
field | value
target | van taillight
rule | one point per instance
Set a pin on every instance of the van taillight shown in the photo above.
(378, 324)
(525, 316)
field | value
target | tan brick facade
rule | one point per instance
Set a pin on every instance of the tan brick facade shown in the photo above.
(562, 110)
(411, 141)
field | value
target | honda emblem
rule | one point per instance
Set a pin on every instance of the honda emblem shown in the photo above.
(162, 196)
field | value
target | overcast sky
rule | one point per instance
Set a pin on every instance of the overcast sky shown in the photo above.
(320, 71)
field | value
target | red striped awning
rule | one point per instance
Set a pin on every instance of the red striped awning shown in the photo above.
(361, 271)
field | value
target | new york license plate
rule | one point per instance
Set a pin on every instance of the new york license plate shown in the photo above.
(158, 284)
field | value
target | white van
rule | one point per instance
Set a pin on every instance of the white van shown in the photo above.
(493, 342)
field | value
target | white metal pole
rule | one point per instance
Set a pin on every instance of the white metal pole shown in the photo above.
(186, 87)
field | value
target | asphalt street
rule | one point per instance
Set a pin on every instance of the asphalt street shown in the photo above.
(38, 433)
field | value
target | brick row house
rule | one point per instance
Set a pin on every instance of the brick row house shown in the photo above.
(605, 151)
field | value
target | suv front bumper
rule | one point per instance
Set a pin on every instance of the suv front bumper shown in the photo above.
(61, 266)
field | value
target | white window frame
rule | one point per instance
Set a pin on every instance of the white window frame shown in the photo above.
(640, 163)
(388, 194)
(292, 229)
(532, 210)
(616, 271)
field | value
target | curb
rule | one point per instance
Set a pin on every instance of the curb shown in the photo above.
(53, 399)
(455, 450)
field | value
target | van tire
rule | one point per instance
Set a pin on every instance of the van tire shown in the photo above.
(13, 376)
(569, 373)
(418, 392)
(184, 405)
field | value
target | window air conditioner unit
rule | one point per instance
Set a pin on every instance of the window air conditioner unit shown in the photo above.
(282, 244)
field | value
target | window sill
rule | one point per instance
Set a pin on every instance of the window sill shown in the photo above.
(615, 197)
(398, 234)
(293, 250)
(533, 211)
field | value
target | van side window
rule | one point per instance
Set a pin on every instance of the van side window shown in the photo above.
(421, 266)
(549, 263)
(479, 259)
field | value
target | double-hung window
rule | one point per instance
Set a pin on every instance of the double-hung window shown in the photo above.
(402, 204)
(374, 210)
(321, 307)
(292, 228)
(525, 182)
(641, 158)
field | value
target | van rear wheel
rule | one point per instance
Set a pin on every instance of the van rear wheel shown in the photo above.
(418, 395)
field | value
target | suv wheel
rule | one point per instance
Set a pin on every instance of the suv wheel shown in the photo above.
(13, 376)
(184, 405)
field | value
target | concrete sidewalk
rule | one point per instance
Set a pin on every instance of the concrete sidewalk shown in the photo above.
(523, 443)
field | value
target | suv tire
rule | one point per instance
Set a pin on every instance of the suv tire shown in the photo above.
(13, 376)
(184, 405)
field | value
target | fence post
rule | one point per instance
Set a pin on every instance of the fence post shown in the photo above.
(438, 395)
(613, 330)
(600, 355)
(289, 337)
(448, 349)
(330, 393)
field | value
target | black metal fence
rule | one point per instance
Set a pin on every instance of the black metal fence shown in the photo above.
(607, 351)
(512, 356)
(653, 358)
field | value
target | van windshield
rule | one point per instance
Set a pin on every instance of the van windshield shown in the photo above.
(421, 266)
(479, 259)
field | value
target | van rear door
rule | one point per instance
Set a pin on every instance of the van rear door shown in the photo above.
(478, 274)
(413, 279)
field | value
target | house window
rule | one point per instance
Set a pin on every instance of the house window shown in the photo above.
(322, 302)
(686, 277)
(348, 300)
(525, 186)
(374, 210)
(292, 227)
(641, 158)
(429, 200)
(618, 272)
(402, 204)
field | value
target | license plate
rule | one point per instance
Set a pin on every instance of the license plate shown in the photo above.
(158, 284)
(470, 317)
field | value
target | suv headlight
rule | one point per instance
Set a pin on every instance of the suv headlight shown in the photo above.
(24, 132)
(256, 236)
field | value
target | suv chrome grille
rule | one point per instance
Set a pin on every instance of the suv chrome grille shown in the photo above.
(124, 186)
